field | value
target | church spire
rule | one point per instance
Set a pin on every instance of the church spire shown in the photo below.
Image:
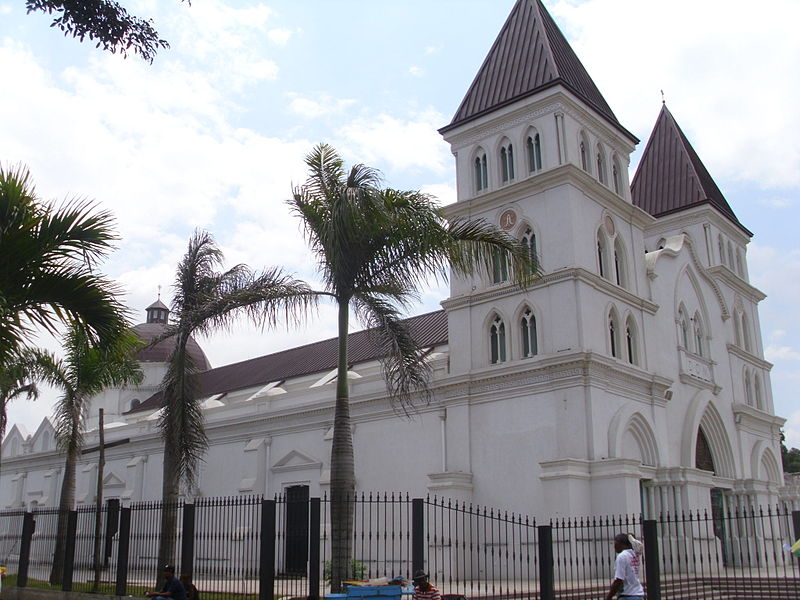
(671, 177)
(529, 55)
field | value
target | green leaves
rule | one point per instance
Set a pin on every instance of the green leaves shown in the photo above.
(46, 275)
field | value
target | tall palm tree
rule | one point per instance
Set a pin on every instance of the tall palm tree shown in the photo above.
(48, 253)
(375, 248)
(206, 300)
(85, 371)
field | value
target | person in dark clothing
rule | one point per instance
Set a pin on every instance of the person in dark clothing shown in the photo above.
(172, 588)
(191, 590)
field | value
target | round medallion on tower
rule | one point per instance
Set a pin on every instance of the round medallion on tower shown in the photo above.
(508, 219)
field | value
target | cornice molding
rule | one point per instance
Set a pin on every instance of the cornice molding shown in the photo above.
(749, 357)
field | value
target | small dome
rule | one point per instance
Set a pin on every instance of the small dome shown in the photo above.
(156, 325)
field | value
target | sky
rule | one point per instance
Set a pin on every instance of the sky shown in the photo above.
(213, 134)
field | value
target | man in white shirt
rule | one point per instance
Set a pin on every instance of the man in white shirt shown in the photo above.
(626, 570)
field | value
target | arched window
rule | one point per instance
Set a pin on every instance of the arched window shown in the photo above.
(530, 345)
(534, 153)
(757, 388)
(683, 328)
(721, 244)
(630, 342)
(529, 240)
(499, 266)
(481, 172)
(497, 340)
(584, 157)
(619, 264)
(613, 333)
(745, 333)
(748, 388)
(704, 459)
(601, 166)
(699, 335)
(602, 267)
(507, 162)
(615, 178)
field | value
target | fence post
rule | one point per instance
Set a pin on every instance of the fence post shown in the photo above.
(266, 564)
(546, 571)
(112, 526)
(69, 550)
(314, 530)
(796, 527)
(417, 535)
(652, 566)
(122, 551)
(187, 540)
(28, 527)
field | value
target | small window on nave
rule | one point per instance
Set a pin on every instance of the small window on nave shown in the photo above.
(507, 162)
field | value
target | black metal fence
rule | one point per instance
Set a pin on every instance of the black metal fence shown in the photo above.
(247, 547)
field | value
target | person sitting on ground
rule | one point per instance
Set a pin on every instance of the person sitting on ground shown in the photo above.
(626, 569)
(423, 590)
(172, 588)
(191, 590)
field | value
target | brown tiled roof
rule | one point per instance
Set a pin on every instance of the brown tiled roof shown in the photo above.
(429, 330)
(529, 55)
(671, 177)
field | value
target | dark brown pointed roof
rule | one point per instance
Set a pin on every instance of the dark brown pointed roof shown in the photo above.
(530, 54)
(671, 177)
(429, 330)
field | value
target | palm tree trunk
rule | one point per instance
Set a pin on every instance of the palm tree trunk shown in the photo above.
(65, 504)
(342, 467)
(170, 492)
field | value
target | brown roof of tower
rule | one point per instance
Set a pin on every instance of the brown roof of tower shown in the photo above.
(429, 330)
(671, 177)
(530, 54)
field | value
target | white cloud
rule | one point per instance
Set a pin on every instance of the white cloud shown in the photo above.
(776, 353)
(404, 144)
(322, 105)
(416, 71)
(432, 49)
(279, 37)
(732, 87)
(778, 202)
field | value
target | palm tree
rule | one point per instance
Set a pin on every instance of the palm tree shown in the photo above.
(85, 371)
(206, 300)
(48, 253)
(16, 380)
(375, 248)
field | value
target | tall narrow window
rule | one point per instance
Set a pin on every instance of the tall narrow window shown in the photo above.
(601, 255)
(481, 173)
(507, 163)
(529, 240)
(737, 328)
(739, 268)
(745, 333)
(683, 329)
(721, 244)
(757, 386)
(617, 266)
(612, 336)
(615, 178)
(630, 342)
(731, 264)
(504, 163)
(748, 388)
(510, 158)
(499, 266)
(497, 340)
(698, 335)
(530, 345)
(584, 157)
(534, 153)
(601, 167)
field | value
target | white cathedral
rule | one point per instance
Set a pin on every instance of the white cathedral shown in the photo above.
(630, 378)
